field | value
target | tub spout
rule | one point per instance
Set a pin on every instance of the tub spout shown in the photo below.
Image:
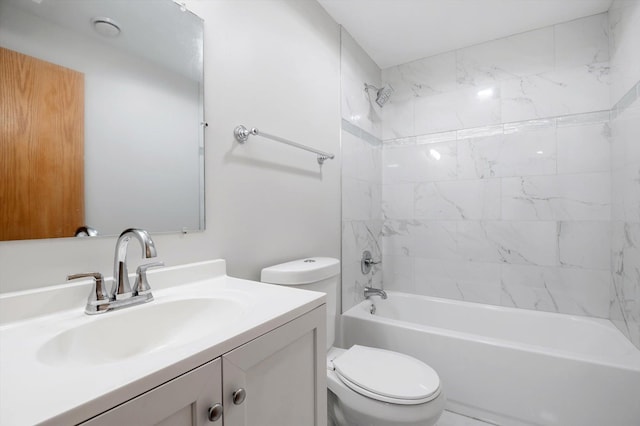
(370, 291)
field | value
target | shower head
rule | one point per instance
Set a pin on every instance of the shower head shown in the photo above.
(382, 95)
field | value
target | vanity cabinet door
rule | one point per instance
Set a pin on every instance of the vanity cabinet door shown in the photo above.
(279, 379)
(184, 400)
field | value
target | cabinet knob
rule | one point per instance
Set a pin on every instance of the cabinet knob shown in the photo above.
(215, 412)
(239, 396)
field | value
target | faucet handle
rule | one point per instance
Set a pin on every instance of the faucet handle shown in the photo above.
(98, 300)
(141, 286)
(367, 262)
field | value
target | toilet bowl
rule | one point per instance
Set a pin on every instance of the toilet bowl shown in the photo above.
(400, 390)
(366, 386)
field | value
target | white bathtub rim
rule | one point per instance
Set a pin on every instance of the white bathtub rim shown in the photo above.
(629, 362)
(520, 311)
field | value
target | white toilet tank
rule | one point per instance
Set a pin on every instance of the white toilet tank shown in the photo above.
(313, 273)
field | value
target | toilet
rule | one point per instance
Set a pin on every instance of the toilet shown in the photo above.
(366, 386)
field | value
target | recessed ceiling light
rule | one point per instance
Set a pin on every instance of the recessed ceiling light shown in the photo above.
(106, 27)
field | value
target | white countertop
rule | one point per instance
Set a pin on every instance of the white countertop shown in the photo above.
(33, 392)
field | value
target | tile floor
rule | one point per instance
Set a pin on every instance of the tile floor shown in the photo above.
(452, 419)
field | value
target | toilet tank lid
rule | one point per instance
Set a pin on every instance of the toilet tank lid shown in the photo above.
(301, 271)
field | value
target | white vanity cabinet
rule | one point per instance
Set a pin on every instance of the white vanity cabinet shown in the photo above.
(208, 336)
(283, 373)
(184, 400)
(276, 379)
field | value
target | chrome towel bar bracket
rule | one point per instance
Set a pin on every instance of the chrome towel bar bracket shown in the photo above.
(242, 135)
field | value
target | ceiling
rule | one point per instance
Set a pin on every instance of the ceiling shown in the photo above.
(394, 32)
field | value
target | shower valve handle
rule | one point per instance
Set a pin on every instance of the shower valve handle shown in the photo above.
(367, 262)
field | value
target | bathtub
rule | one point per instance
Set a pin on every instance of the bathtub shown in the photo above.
(510, 366)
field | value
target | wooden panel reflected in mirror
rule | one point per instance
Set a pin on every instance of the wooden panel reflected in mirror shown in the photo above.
(42, 148)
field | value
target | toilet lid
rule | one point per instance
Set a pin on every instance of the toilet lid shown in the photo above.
(387, 376)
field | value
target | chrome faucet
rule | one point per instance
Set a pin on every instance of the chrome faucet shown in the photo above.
(367, 262)
(121, 287)
(370, 291)
(122, 295)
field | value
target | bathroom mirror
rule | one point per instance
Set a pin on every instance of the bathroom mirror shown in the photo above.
(131, 90)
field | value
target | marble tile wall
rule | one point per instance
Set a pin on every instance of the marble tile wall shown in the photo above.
(497, 175)
(502, 215)
(553, 71)
(625, 168)
(361, 171)
(624, 21)
(357, 68)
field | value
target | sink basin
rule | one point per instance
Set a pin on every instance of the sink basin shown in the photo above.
(116, 336)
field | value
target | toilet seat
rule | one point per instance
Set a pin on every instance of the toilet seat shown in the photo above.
(387, 376)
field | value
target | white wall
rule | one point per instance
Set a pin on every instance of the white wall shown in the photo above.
(274, 65)
(144, 158)
(269, 64)
(357, 68)
(624, 36)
